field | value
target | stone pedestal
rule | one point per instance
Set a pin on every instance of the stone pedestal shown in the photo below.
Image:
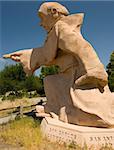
(61, 132)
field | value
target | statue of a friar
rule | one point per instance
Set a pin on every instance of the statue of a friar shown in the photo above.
(79, 93)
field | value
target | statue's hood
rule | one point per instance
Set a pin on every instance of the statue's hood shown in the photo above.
(74, 19)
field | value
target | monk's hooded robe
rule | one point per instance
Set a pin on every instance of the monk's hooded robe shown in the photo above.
(79, 92)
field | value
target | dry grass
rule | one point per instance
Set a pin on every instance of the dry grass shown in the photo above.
(26, 133)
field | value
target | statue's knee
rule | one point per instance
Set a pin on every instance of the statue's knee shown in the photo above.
(48, 82)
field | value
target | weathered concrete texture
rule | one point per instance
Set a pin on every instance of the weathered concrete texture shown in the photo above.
(95, 138)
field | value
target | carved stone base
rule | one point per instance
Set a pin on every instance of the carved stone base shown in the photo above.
(57, 131)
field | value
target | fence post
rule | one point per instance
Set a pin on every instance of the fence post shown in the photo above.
(21, 111)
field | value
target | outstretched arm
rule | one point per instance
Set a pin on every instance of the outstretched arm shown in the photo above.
(32, 59)
(22, 56)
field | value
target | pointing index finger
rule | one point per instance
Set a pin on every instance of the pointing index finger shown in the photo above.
(12, 54)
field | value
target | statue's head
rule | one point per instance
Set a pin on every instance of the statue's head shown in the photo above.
(50, 12)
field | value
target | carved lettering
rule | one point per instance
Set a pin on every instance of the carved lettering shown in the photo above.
(104, 138)
(91, 138)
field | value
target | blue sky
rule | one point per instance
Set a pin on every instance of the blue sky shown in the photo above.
(19, 26)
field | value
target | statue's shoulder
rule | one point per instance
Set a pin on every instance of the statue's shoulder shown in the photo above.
(72, 20)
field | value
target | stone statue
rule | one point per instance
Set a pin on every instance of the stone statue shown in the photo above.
(79, 93)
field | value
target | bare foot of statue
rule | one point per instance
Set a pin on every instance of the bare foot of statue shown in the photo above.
(40, 111)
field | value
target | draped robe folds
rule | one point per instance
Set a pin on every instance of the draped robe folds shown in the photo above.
(79, 93)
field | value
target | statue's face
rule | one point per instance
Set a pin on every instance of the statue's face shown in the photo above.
(49, 13)
(46, 21)
(43, 20)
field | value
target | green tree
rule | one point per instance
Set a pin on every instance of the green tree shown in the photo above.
(50, 70)
(45, 71)
(12, 78)
(13, 72)
(33, 83)
(110, 71)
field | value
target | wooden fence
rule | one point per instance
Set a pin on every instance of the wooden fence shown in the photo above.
(12, 112)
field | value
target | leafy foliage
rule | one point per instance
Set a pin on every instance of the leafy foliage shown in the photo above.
(14, 79)
(33, 83)
(50, 70)
(110, 71)
(11, 78)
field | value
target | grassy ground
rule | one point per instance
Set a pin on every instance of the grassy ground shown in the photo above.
(26, 133)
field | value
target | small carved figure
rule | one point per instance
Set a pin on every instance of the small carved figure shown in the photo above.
(79, 93)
